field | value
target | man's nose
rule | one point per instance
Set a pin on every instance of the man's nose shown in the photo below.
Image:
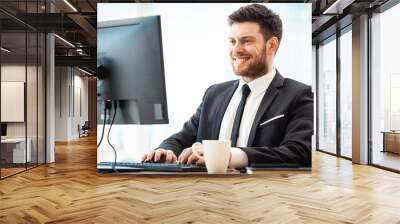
(237, 48)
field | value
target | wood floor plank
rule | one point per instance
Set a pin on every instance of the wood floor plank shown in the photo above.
(70, 191)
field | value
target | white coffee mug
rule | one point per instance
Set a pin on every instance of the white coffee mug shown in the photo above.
(216, 155)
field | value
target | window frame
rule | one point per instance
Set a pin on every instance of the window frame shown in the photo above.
(334, 37)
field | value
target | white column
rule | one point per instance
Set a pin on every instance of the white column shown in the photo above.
(50, 94)
(360, 90)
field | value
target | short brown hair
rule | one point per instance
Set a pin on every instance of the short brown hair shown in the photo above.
(270, 22)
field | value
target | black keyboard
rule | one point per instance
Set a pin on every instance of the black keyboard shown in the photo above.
(163, 167)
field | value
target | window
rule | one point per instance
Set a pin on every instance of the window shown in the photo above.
(327, 96)
(385, 87)
(346, 94)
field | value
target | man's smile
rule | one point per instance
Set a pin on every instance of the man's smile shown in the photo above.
(239, 60)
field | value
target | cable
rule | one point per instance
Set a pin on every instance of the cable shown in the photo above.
(108, 135)
(104, 124)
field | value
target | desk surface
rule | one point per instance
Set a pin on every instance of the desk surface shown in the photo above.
(391, 132)
(13, 140)
(230, 173)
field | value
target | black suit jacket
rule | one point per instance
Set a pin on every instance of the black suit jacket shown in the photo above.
(283, 140)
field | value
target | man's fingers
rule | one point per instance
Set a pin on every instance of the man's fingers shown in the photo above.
(155, 155)
(158, 154)
(150, 155)
(168, 158)
(143, 158)
(185, 155)
(192, 158)
(200, 150)
(200, 161)
(174, 159)
(181, 155)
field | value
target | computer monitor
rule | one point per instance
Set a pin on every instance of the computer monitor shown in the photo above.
(131, 71)
(3, 130)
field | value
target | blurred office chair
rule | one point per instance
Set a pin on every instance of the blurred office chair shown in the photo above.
(84, 130)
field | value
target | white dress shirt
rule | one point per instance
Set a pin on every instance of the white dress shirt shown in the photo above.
(258, 88)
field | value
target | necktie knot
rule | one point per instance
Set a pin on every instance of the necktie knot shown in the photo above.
(245, 90)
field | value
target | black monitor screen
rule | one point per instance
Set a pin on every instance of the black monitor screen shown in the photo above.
(131, 50)
(3, 129)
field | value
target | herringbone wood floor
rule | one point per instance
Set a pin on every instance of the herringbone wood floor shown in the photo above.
(70, 191)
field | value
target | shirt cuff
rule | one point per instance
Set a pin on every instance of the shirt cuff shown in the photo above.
(238, 158)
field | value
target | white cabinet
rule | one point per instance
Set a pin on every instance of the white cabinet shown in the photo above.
(16, 147)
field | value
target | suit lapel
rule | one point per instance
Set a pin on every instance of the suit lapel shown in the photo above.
(224, 100)
(265, 104)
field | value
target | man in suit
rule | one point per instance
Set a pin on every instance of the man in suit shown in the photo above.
(268, 118)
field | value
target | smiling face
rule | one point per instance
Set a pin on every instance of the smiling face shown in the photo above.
(251, 56)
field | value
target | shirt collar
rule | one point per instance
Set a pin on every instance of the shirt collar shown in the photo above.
(260, 84)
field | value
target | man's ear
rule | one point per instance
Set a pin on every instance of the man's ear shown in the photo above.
(272, 45)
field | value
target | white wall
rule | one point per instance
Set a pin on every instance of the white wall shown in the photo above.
(61, 103)
(81, 81)
(17, 73)
(12, 100)
(69, 82)
(33, 127)
(14, 73)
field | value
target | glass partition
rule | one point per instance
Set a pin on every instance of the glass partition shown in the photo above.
(327, 96)
(13, 105)
(33, 57)
(41, 109)
(385, 89)
(31, 100)
(22, 88)
(346, 94)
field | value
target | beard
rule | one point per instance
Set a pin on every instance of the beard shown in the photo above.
(254, 68)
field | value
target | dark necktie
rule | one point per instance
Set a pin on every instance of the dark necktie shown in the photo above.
(236, 124)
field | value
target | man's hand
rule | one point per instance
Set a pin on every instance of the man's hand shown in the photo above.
(157, 154)
(189, 157)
